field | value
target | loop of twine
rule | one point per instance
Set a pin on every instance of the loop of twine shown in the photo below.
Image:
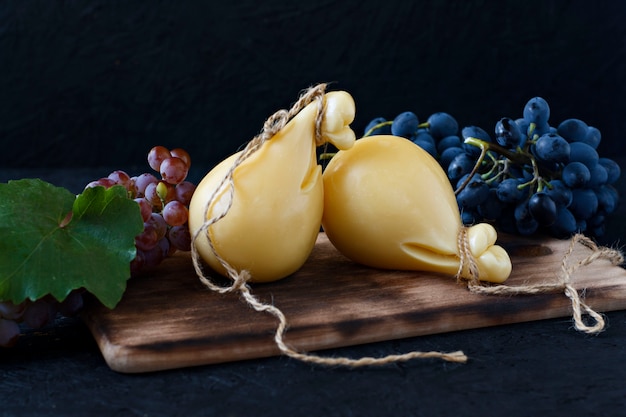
(240, 278)
(579, 307)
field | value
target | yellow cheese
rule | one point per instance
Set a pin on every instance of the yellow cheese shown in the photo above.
(271, 227)
(388, 204)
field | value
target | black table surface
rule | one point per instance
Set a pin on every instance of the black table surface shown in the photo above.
(528, 369)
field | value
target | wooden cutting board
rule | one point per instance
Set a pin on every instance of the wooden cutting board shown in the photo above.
(168, 319)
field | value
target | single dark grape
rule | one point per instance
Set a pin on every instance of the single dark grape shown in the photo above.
(599, 176)
(608, 198)
(508, 191)
(613, 169)
(581, 152)
(474, 193)
(573, 130)
(524, 221)
(491, 208)
(584, 203)
(508, 133)
(575, 174)
(560, 193)
(542, 208)
(462, 164)
(564, 225)
(593, 137)
(448, 155)
(449, 142)
(405, 124)
(442, 124)
(537, 111)
(467, 217)
(552, 148)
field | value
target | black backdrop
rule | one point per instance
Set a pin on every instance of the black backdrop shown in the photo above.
(97, 83)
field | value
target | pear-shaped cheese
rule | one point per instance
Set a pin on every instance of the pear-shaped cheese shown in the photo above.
(278, 198)
(388, 204)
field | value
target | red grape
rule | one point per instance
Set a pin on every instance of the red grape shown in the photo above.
(174, 170)
(156, 156)
(175, 213)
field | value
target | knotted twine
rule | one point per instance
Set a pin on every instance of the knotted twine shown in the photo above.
(468, 269)
(240, 278)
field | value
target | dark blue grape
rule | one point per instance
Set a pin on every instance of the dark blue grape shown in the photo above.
(423, 136)
(427, 145)
(552, 148)
(523, 125)
(596, 225)
(573, 130)
(474, 193)
(382, 130)
(599, 176)
(560, 193)
(581, 152)
(541, 130)
(608, 198)
(564, 224)
(474, 132)
(442, 124)
(448, 155)
(542, 208)
(537, 111)
(462, 164)
(509, 192)
(613, 169)
(405, 124)
(491, 208)
(524, 221)
(508, 134)
(468, 217)
(584, 203)
(452, 141)
(506, 222)
(593, 137)
(575, 174)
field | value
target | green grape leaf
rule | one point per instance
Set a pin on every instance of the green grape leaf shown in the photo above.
(52, 242)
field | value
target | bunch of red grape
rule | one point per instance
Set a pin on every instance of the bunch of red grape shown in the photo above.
(164, 205)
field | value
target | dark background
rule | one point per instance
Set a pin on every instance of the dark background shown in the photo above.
(98, 83)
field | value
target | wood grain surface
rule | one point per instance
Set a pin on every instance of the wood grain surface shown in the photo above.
(167, 319)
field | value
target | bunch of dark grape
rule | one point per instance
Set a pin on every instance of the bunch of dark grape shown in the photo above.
(534, 178)
(35, 314)
(164, 204)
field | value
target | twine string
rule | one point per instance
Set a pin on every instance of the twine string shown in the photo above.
(240, 278)
(564, 283)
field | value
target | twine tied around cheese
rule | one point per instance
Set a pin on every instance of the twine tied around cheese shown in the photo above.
(468, 270)
(240, 278)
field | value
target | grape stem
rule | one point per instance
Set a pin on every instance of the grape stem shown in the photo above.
(379, 125)
(520, 157)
